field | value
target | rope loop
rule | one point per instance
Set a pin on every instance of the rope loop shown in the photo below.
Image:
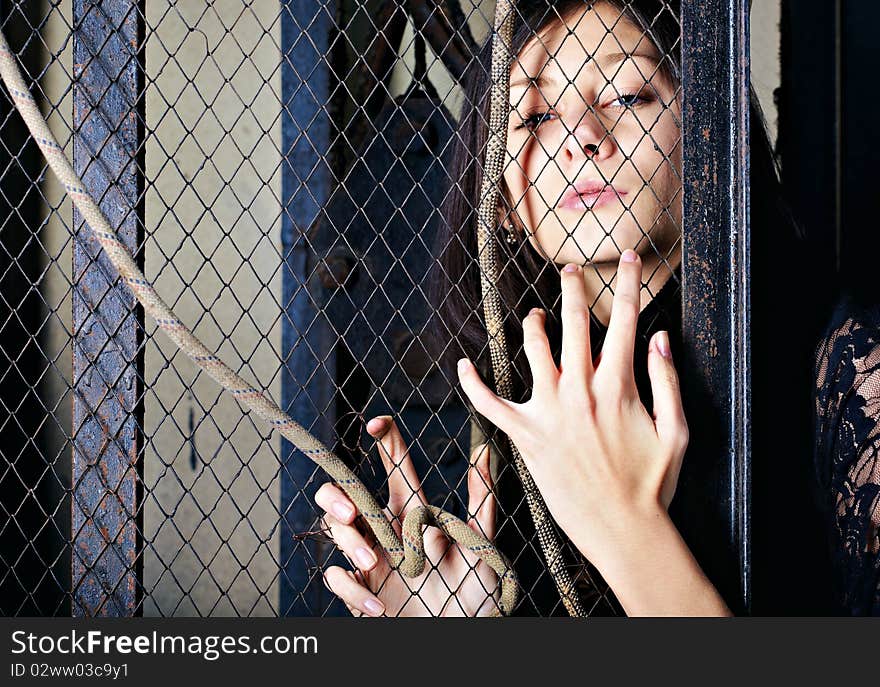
(408, 555)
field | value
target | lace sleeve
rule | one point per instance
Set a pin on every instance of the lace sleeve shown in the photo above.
(847, 460)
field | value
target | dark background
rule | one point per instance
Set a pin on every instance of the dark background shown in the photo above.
(827, 141)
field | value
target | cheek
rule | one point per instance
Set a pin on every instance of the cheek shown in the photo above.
(531, 179)
(657, 160)
(515, 179)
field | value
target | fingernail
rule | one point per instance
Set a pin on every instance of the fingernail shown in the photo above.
(365, 557)
(382, 421)
(663, 344)
(463, 364)
(536, 311)
(374, 607)
(629, 255)
(342, 510)
(570, 267)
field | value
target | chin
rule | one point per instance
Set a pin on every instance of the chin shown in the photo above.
(590, 245)
(606, 254)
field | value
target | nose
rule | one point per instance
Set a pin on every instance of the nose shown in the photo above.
(589, 138)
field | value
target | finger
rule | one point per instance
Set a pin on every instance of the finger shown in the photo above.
(333, 500)
(499, 411)
(481, 501)
(576, 359)
(404, 486)
(537, 349)
(618, 348)
(346, 587)
(352, 543)
(669, 417)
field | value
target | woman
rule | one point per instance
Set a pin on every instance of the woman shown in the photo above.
(593, 175)
(847, 449)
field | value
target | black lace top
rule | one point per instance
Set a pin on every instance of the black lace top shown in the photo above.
(847, 429)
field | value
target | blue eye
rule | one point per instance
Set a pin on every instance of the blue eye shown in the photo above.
(533, 121)
(630, 100)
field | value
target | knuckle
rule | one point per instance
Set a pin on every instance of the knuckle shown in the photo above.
(573, 310)
(533, 339)
(334, 576)
(611, 390)
(578, 319)
(670, 378)
(681, 439)
(627, 306)
(685, 435)
(587, 406)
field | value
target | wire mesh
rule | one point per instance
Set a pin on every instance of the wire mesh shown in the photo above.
(297, 180)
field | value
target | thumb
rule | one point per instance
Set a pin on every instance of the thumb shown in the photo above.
(669, 416)
(481, 500)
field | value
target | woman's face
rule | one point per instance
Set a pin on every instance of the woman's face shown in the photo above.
(594, 159)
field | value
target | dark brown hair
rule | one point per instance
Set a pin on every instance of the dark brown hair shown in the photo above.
(526, 279)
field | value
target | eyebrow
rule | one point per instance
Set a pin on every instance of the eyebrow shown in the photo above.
(541, 80)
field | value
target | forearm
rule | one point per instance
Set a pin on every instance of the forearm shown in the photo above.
(653, 572)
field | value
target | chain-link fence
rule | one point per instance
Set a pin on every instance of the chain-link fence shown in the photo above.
(300, 182)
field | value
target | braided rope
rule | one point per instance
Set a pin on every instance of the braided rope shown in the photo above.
(406, 555)
(496, 151)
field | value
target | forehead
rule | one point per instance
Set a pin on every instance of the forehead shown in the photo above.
(586, 38)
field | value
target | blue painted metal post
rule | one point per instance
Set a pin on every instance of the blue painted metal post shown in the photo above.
(715, 486)
(307, 341)
(107, 323)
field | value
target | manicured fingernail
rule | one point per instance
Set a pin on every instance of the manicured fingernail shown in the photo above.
(374, 607)
(570, 267)
(663, 344)
(629, 255)
(342, 510)
(463, 364)
(365, 557)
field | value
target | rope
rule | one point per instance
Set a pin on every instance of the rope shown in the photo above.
(496, 151)
(407, 554)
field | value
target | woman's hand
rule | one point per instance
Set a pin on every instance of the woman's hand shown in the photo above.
(455, 582)
(601, 462)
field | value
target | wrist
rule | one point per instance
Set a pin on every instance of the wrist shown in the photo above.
(652, 571)
(625, 532)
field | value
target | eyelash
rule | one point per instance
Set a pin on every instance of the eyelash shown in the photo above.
(530, 121)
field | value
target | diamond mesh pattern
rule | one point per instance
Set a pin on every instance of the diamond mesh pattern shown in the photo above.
(291, 168)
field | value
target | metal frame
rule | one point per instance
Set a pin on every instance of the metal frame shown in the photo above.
(713, 502)
(713, 510)
(107, 323)
(307, 341)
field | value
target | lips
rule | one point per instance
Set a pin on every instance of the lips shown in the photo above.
(589, 194)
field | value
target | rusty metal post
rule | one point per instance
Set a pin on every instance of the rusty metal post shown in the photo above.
(713, 507)
(308, 342)
(107, 324)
